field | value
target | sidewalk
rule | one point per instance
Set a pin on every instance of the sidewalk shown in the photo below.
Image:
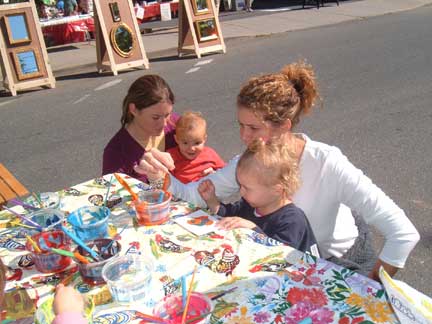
(71, 57)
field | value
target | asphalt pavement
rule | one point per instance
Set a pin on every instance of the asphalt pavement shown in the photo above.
(269, 19)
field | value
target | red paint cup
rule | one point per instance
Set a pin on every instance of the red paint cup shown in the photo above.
(47, 261)
(170, 309)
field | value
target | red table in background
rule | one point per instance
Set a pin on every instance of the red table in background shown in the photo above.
(76, 29)
(70, 30)
(152, 11)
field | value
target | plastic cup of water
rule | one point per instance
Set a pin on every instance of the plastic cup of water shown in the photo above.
(128, 278)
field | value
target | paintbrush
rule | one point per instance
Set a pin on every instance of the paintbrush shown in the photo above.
(196, 318)
(33, 243)
(189, 295)
(166, 182)
(108, 190)
(25, 219)
(18, 202)
(150, 318)
(78, 241)
(23, 225)
(223, 293)
(75, 255)
(105, 248)
(126, 186)
(39, 201)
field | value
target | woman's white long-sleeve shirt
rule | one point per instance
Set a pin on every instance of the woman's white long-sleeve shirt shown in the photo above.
(330, 188)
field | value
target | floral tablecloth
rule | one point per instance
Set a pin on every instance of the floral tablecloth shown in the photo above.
(274, 283)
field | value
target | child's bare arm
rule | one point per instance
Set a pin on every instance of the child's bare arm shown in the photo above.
(208, 192)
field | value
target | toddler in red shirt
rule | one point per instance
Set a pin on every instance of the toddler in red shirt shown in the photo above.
(192, 159)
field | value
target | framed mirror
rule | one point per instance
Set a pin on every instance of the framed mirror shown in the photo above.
(17, 28)
(200, 7)
(115, 12)
(122, 40)
(27, 63)
(206, 30)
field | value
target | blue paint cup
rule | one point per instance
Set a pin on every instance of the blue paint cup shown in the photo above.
(48, 218)
(90, 223)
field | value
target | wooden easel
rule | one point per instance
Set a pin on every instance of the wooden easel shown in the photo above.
(108, 59)
(15, 78)
(190, 40)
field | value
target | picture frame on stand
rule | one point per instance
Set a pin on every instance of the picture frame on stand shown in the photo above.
(27, 63)
(115, 11)
(200, 7)
(206, 30)
(17, 28)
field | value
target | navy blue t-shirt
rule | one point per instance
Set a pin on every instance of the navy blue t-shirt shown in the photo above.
(288, 224)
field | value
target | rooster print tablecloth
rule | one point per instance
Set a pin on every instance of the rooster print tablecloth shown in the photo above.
(249, 277)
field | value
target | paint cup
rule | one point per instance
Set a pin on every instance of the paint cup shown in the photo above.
(47, 261)
(49, 200)
(92, 273)
(90, 223)
(45, 312)
(170, 308)
(152, 208)
(128, 278)
(48, 218)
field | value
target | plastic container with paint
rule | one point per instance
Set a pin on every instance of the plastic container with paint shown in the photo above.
(152, 208)
(48, 218)
(92, 273)
(90, 222)
(170, 309)
(47, 261)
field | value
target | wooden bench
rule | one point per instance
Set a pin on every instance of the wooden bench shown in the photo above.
(10, 187)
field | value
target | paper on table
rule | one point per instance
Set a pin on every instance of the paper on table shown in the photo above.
(198, 223)
(410, 305)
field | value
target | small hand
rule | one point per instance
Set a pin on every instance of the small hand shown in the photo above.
(208, 192)
(229, 223)
(67, 299)
(155, 164)
(208, 171)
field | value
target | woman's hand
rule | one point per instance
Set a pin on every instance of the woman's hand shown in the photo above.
(155, 164)
(229, 223)
(67, 300)
(208, 193)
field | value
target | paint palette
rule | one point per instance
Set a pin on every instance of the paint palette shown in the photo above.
(45, 313)
(198, 223)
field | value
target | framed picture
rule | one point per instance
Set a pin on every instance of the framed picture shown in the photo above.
(200, 7)
(17, 28)
(115, 12)
(206, 30)
(27, 63)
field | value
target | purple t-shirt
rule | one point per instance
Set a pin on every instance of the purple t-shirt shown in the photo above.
(122, 152)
